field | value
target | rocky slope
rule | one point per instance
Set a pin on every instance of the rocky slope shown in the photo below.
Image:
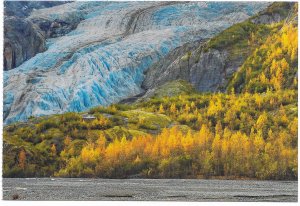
(22, 41)
(110, 46)
(211, 63)
(22, 37)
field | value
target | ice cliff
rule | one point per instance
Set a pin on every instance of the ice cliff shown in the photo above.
(103, 59)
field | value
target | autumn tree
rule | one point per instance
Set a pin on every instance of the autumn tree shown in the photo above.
(161, 109)
(173, 109)
(22, 159)
(53, 150)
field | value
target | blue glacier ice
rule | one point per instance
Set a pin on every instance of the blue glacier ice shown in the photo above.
(104, 59)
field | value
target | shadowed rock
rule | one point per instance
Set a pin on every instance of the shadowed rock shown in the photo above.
(22, 40)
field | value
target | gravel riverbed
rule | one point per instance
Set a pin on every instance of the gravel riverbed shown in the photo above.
(148, 189)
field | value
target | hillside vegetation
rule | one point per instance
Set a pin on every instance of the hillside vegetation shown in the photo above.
(273, 65)
(249, 132)
(187, 136)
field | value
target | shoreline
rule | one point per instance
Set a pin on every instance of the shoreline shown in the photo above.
(212, 178)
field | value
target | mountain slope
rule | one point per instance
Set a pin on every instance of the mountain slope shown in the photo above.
(210, 65)
(103, 60)
(273, 65)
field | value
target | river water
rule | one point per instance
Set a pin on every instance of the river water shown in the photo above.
(149, 189)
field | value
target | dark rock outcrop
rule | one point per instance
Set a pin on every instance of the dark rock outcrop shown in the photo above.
(205, 70)
(25, 38)
(22, 41)
(171, 67)
(58, 27)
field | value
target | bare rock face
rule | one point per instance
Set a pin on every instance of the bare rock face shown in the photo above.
(170, 68)
(267, 19)
(209, 72)
(22, 40)
(57, 27)
(205, 70)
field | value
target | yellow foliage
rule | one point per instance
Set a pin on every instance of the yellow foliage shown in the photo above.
(261, 121)
(161, 109)
(53, 150)
(22, 159)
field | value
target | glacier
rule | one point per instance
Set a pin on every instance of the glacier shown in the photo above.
(103, 60)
